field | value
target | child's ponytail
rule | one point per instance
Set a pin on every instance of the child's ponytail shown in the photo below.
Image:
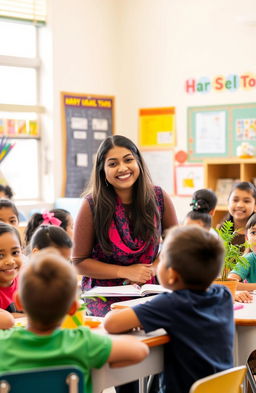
(34, 222)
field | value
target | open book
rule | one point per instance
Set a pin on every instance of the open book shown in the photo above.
(125, 290)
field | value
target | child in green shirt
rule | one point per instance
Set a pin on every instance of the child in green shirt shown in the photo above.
(246, 275)
(47, 292)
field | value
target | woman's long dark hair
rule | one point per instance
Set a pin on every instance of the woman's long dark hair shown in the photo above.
(144, 211)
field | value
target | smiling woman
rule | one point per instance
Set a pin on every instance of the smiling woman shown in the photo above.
(120, 223)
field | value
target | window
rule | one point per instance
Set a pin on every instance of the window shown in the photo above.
(19, 76)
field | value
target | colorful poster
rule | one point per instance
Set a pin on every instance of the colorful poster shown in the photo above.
(245, 129)
(157, 127)
(188, 179)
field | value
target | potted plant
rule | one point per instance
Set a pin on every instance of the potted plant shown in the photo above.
(232, 255)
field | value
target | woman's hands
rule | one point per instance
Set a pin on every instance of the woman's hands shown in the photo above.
(138, 273)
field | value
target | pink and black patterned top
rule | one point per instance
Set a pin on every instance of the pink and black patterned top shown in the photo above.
(126, 251)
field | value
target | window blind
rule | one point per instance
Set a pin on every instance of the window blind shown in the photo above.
(33, 11)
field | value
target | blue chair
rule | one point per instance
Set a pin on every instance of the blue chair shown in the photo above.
(61, 379)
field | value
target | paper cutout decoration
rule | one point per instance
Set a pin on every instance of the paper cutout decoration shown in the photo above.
(181, 156)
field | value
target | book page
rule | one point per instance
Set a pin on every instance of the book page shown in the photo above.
(119, 290)
(125, 290)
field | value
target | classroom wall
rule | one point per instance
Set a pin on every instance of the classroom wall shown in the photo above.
(83, 58)
(142, 51)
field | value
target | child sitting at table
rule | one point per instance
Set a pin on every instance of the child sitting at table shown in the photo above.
(51, 236)
(11, 260)
(47, 292)
(198, 316)
(58, 217)
(9, 213)
(204, 220)
(246, 275)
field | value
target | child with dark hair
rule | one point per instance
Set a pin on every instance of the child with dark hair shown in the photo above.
(6, 192)
(9, 213)
(247, 273)
(10, 263)
(204, 201)
(203, 206)
(241, 206)
(57, 217)
(51, 236)
(197, 315)
(47, 292)
(197, 218)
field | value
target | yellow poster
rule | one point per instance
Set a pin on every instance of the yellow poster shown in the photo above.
(157, 127)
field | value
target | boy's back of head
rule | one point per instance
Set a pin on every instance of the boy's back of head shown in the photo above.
(47, 287)
(195, 254)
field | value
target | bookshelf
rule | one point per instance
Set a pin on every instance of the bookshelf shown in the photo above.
(235, 168)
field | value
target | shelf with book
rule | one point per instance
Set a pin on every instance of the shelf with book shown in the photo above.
(219, 172)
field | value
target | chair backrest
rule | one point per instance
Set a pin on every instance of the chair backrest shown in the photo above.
(62, 379)
(228, 381)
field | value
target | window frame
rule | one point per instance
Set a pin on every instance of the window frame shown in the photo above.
(34, 63)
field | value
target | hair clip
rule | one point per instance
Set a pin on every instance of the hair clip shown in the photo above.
(50, 219)
(194, 204)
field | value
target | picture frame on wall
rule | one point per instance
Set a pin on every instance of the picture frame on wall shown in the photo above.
(188, 179)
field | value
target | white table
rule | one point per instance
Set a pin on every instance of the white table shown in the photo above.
(106, 376)
(245, 334)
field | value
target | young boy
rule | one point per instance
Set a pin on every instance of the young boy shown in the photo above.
(197, 316)
(47, 292)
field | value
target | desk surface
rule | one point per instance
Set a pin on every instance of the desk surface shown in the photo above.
(246, 316)
(132, 302)
(152, 339)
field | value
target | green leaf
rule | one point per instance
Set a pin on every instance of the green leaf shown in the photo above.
(233, 252)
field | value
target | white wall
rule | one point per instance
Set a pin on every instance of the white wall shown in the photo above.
(142, 51)
(84, 57)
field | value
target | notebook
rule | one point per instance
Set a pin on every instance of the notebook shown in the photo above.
(125, 290)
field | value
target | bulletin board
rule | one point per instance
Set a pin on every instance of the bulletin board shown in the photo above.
(217, 131)
(157, 128)
(86, 121)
